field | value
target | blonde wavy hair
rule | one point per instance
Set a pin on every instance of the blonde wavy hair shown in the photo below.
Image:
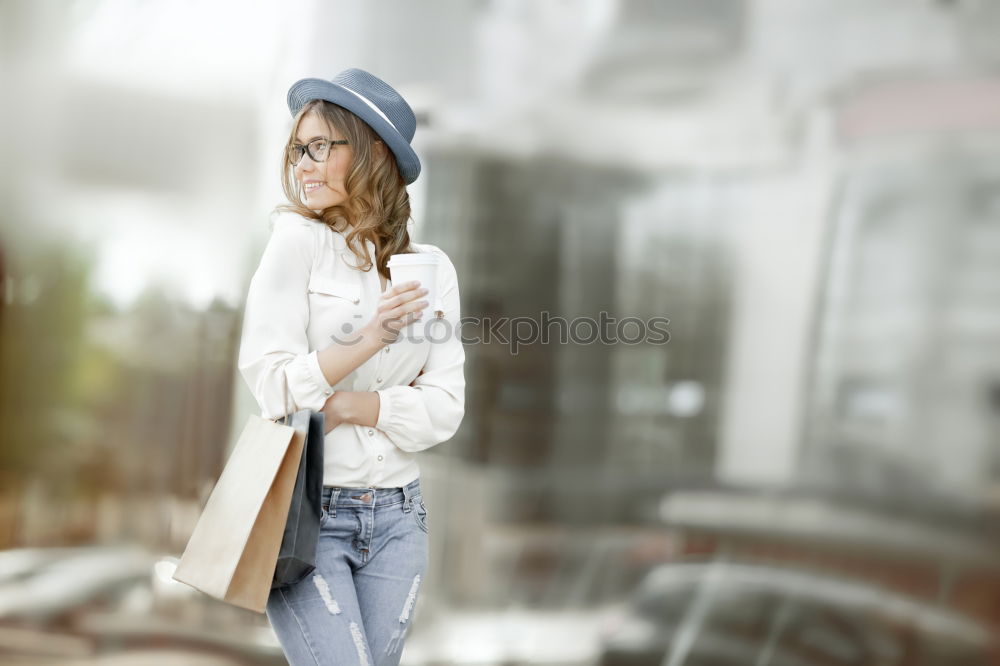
(377, 207)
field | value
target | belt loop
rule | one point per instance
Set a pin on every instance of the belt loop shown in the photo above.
(333, 502)
(407, 498)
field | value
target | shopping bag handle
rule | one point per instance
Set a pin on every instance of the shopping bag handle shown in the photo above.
(288, 413)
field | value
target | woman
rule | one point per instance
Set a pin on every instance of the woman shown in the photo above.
(323, 319)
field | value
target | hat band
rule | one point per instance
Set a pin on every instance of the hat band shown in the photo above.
(370, 104)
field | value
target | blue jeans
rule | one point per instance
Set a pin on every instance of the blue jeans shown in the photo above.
(356, 607)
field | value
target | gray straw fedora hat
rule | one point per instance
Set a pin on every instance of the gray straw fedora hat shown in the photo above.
(374, 101)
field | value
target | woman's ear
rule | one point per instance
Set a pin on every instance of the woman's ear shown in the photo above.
(380, 147)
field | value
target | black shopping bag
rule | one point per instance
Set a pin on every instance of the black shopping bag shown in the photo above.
(297, 555)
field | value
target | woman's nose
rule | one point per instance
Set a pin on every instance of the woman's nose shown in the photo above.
(305, 165)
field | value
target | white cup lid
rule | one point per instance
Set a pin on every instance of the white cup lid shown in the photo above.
(413, 259)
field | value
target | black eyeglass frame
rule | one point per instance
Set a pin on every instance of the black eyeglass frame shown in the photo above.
(306, 149)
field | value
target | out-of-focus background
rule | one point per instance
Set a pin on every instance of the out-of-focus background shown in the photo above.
(808, 472)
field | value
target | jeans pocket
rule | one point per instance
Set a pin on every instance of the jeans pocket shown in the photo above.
(420, 513)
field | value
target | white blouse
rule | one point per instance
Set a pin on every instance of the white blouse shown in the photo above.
(305, 293)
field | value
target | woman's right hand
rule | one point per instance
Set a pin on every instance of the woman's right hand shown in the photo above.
(397, 308)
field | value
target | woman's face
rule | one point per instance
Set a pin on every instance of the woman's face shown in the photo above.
(322, 182)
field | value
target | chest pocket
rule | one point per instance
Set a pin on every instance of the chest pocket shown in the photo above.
(326, 287)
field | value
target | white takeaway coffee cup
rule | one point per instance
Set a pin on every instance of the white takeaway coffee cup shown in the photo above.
(422, 266)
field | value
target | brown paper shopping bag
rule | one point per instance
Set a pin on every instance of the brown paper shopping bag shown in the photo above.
(233, 549)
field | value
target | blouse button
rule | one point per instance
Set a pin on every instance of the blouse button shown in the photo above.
(380, 457)
(379, 380)
(357, 300)
(371, 432)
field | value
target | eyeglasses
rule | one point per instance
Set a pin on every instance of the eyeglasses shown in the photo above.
(318, 150)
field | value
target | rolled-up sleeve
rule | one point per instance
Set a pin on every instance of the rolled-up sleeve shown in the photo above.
(274, 348)
(430, 410)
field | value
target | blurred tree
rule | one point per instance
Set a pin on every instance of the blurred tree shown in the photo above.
(41, 344)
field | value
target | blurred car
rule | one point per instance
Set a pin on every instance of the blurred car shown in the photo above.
(119, 604)
(549, 594)
(722, 613)
(42, 584)
(507, 637)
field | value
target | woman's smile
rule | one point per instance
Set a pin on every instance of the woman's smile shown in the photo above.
(312, 186)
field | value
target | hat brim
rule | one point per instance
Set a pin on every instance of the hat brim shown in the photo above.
(305, 90)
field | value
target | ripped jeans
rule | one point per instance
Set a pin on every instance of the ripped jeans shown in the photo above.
(356, 607)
